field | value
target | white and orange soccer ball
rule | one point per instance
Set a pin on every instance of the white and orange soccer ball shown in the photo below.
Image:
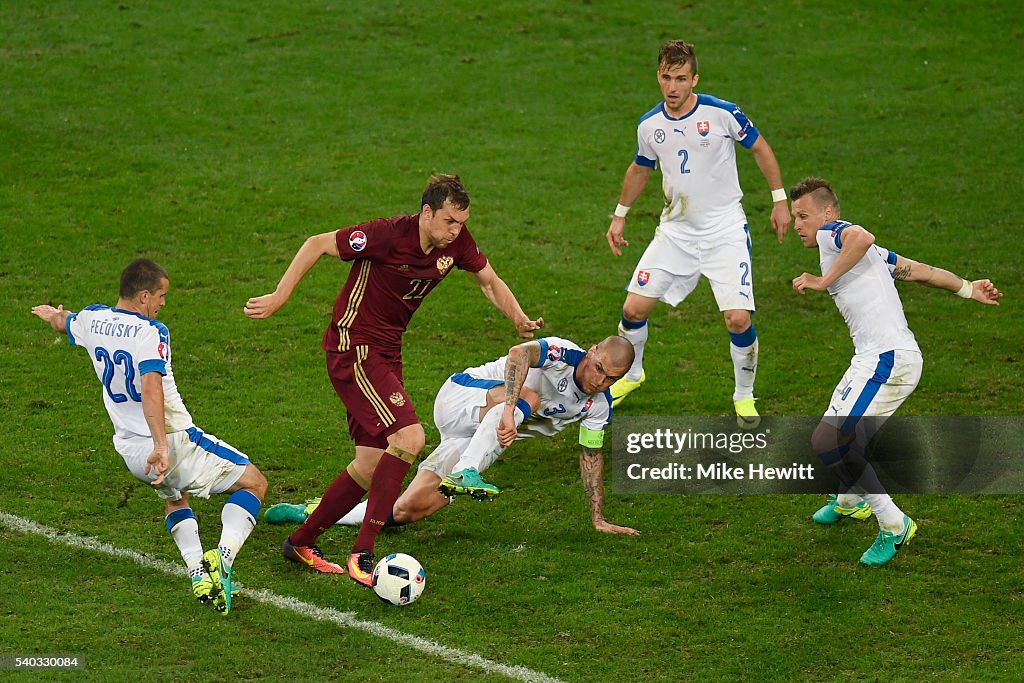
(399, 579)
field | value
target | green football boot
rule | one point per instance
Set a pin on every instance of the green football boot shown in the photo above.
(831, 512)
(468, 482)
(887, 544)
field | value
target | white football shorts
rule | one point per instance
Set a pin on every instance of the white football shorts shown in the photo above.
(873, 386)
(457, 416)
(200, 464)
(671, 267)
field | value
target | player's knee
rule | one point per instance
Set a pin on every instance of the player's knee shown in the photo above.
(258, 484)
(531, 397)
(737, 321)
(409, 439)
(826, 440)
(637, 308)
(633, 312)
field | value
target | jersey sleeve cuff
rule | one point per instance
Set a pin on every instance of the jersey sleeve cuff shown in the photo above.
(543, 353)
(154, 365)
(750, 138)
(67, 328)
(644, 161)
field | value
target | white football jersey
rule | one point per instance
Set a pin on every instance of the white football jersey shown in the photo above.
(866, 296)
(697, 157)
(123, 346)
(562, 400)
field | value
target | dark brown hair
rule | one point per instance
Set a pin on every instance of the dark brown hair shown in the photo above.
(818, 188)
(677, 53)
(442, 188)
(141, 274)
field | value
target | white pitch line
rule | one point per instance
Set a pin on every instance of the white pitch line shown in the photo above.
(343, 619)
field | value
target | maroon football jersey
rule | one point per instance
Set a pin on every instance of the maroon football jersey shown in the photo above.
(390, 276)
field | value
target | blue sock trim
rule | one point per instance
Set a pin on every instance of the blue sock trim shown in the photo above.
(745, 338)
(525, 407)
(246, 501)
(630, 325)
(835, 455)
(179, 516)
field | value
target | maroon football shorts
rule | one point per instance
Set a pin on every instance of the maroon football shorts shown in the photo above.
(369, 382)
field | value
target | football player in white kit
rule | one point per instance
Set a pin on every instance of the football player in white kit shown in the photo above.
(538, 389)
(692, 138)
(887, 363)
(153, 431)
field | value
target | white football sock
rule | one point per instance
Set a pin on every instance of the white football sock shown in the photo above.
(184, 529)
(889, 515)
(238, 517)
(848, 500)
(744, 369)
(483, 448)
(354, 517)
(638, 338)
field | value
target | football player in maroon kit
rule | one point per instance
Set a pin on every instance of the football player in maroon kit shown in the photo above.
(396, 262)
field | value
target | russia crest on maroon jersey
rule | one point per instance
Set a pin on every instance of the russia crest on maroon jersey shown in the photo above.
(703, 127)
(357, 240)
(643, 277)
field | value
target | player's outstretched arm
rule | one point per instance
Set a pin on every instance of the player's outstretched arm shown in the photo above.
(856, 242)
(769, 165)
(57, 318)
(502, 298)
(592, 474)
(307, 256)
(982, 291)
(632, 185)
(153, 409)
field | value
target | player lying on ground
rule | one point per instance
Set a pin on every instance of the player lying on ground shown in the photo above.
(538, 389)
(153, 431)
(887, 363)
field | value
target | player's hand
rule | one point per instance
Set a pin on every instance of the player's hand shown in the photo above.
(781, 219)
(614, 235)
(527, 327)
(47, 313)
(985, 292)
(606, 528)
(507, 428)
(808, 281)
(264, 306)
(158, 463)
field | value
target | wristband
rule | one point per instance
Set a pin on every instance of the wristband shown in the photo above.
(966, 290)
(779, 195)
(620, 211)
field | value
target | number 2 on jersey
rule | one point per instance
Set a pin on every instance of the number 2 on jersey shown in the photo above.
(745, 277)
(124, 359)
(686, 156)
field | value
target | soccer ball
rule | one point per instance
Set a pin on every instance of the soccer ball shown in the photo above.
(399, 579)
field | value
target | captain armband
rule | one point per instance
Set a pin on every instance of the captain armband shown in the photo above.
(591, 438)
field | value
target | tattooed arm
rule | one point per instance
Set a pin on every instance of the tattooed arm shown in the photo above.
(592, 474)
(520, 359)
(982, 291)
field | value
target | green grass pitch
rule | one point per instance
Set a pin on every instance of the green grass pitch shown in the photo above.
(214, 137)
